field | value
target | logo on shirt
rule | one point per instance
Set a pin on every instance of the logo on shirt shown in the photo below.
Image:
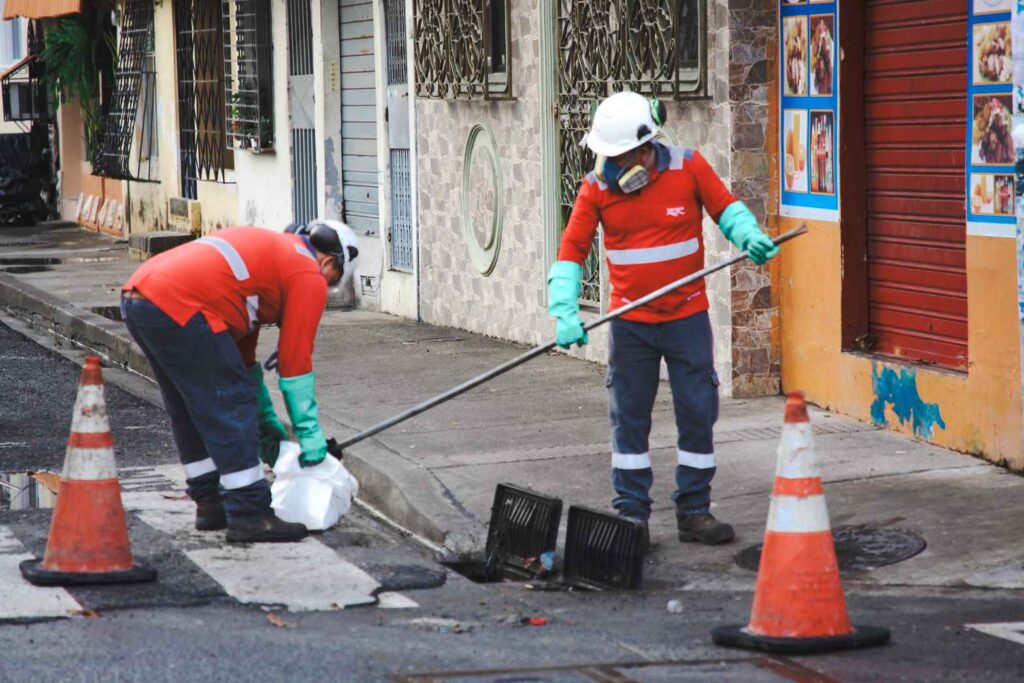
(675, 211)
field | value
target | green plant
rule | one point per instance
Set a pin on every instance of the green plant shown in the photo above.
(71, 72)
(266, 132)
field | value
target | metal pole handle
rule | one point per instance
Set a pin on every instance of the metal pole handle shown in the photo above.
(336, 447)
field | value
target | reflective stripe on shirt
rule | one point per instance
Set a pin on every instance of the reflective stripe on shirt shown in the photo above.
(668, 252)
(230, 255)
(238, 268)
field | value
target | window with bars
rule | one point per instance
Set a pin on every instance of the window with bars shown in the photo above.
(463, 49)
(126, 152)
(248, 78)
(201, 114)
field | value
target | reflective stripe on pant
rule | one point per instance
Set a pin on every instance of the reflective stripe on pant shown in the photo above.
(211, 402)
(634, 359)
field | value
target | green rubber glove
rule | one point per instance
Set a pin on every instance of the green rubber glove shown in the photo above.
(563, 303)
(740, 227)
(272, 431)
(301, 402)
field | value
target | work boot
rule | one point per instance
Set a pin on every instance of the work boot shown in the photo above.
(269, 529)
(702, 527)
(210, 514)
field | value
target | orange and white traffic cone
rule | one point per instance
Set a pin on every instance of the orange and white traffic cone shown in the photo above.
(88, 536)
(799, 607)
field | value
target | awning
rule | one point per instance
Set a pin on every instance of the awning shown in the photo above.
(17, 66)
(41, 9)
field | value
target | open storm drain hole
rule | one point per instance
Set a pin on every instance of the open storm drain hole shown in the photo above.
(25, 270)
(521, 535)
(20, 243)
(28, 261)
(858, 549)
(108, 312)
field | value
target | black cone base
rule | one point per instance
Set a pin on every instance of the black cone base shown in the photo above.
(33, 571)
(862, 636)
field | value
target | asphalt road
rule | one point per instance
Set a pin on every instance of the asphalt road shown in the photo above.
(192, 626)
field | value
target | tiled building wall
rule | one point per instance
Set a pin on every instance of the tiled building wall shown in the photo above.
(756, 349)
(510, 302)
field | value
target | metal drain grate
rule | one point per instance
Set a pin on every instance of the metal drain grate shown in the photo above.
(523, 525)
(764, 669)
(858, 548)
(603, 550)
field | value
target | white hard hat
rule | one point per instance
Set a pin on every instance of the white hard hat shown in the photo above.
(623, 122)
(334, 238)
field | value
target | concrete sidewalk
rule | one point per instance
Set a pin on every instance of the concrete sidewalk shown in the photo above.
(544, 425)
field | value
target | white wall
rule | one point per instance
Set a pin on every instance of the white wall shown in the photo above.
(264, 180)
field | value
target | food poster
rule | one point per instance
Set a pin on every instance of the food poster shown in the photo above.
(1017, 32)
(991, 153)
(809, 86)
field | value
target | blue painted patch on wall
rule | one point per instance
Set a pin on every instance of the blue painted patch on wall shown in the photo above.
(900, 390)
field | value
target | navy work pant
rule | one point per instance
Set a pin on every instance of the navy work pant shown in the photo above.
(212, 405)
(634, 361)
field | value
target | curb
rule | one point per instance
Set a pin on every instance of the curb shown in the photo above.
(403, 492)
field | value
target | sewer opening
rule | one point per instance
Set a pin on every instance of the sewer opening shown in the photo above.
(28, 490)
(28, 261)
(25, 270)
(20, 243)
(480, 572)
(108, 312)
(858, 549)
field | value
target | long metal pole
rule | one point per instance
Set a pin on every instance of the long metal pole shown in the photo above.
(544, 348)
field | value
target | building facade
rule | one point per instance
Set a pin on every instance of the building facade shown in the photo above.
(893, 144)
(446, 133)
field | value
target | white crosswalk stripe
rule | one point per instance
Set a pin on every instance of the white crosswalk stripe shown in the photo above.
(20, 600)
(305, 576)
(1012, 631)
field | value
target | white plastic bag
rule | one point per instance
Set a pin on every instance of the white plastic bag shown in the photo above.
(315, 496)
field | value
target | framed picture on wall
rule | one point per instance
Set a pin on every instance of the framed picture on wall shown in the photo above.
(982, 194)
(993, 6)
(992, 54)
(1002, 197)
(991, 142)
(820, 152)
(794, 50)
(822, 54)
(795, 158)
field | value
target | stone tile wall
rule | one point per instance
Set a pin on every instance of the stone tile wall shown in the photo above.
(510, 303)
(756, 348)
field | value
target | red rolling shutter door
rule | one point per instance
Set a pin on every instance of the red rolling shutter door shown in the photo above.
(915, 104)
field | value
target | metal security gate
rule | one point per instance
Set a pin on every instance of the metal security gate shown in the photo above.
(185, 46)
(400, 229)
(914, 121)
(301, 98)
(656, 47)
(360, 166)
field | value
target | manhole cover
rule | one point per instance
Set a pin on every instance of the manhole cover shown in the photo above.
(858, 548)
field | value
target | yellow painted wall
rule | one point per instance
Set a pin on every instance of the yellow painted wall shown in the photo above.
(219, 202)
(981, 408)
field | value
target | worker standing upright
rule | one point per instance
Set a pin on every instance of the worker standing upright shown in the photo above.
(196, 312)
(650, 199)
